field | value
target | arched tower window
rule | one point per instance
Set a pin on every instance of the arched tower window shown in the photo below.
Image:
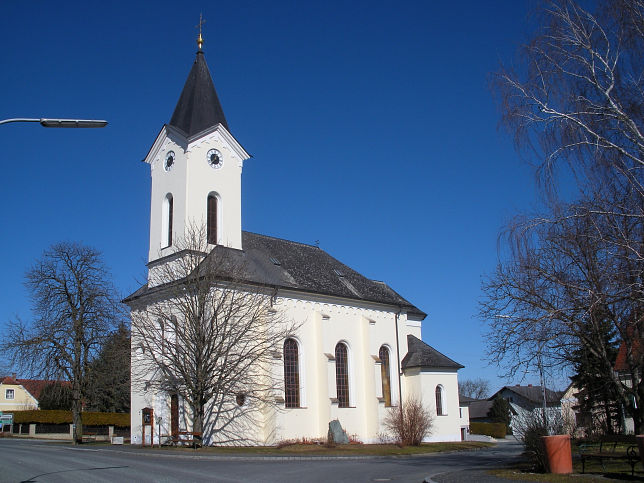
(168, 213)
(162, 335)
(212, 219)
(385, 372)
(342, 374)
(440, 410)
(291, 374)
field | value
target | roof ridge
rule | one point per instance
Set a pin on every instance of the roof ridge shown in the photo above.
(418, 349)
(283, 239)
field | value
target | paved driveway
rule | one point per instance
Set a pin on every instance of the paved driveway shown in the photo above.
(31, 460)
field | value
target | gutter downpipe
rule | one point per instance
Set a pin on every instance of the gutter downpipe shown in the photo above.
(399, 369)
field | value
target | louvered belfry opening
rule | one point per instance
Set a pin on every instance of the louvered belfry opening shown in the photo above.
(291, 374)
(342, 375)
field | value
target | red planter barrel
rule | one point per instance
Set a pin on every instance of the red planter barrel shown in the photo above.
(558, 453)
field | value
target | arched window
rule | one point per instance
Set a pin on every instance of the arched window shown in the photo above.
(384, 373)
(162, 335)
(342, 374)
(168, 206)
(166, 224)
(439, 401)
(175, 330)
(291, 374)
(212, 219)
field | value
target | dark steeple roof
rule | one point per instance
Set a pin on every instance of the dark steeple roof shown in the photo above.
(420, 354)
(198, 107)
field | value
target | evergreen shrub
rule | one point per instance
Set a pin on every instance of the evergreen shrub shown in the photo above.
(496, 430)
(54, 416)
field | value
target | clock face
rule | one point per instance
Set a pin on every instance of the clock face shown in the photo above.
(169, 161)
(215, 159)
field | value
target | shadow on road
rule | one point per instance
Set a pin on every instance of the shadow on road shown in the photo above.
(35, 478)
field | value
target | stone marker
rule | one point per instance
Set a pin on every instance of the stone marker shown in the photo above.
(337, 435)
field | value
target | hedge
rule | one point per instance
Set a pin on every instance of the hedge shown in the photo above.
(496, 430)
(55, 416)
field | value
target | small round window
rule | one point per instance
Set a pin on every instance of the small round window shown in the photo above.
(169, 161)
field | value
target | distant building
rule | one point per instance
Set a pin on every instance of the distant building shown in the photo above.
(20, 394)
(623, 370)
(527, 400)
(479, 410)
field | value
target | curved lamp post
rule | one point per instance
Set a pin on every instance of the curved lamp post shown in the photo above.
(73, 123)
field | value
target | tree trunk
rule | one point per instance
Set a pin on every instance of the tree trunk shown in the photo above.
(197, 423)
(76, 418)
(638, 417)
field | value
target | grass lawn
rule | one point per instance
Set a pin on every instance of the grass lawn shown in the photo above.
(339, 450)
(613, 470)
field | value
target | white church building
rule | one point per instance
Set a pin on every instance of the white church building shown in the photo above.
(358, 349)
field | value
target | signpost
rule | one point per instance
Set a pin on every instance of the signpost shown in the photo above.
(5, 419)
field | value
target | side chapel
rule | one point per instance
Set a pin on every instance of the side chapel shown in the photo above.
(358, 351)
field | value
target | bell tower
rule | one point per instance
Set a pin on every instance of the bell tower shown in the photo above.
(196, 167)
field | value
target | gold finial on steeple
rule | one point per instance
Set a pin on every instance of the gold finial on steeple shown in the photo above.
(200, 38)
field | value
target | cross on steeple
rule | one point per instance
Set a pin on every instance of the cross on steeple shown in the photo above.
(199, 25)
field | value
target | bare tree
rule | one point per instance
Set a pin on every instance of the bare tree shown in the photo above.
(478, 388)
(74, 307)
(559, 291)
(578, 97)
(410, 424)
(207, 335)
(577, 101)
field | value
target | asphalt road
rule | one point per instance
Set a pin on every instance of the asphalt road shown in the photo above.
(32, 460)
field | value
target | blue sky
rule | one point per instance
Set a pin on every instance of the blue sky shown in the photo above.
(371, 125)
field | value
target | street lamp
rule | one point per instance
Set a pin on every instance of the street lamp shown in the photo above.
(83, 123)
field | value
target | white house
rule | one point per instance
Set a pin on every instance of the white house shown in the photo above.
(350, 325)
(527, 402)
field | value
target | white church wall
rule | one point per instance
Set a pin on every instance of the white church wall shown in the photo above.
(224, 181)
(446, 427)
(190, 168)
(163, 182)
(324, 322)
(363, 330)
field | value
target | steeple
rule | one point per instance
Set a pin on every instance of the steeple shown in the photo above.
(198, 107)
(196, 166)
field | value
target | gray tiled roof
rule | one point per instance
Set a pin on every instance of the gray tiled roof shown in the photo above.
(420, 354)
(532, 393)
(291, 265)
(479, 409)
(198, 107)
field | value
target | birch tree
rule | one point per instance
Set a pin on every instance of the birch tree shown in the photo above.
(578, 96)
(561, 291)
(575, 106)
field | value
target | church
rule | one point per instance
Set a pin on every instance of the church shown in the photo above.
(357, 351)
